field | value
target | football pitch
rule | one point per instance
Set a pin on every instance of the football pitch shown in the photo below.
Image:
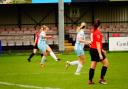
(17, 73)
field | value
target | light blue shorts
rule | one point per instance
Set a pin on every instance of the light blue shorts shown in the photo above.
(79, 49)
(42, 47)
(79, 52)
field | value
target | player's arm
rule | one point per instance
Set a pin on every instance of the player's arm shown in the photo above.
(104, 52)
(48, 36)
(35, 41)
(34, 44)
(88, 42)
(98, 45)
(81, 40)
(99, 50)
(45, 36)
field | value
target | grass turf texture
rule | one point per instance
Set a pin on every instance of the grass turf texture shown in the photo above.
(14, 68)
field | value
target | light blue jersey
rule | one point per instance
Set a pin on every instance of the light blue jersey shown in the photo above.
(79, 47)
(42, 42)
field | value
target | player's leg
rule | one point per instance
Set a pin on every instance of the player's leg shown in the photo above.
(80, 64)
(32, 54)
(76, 62)
(73, 62)
(68, 63)
(81, 56)
(42, 48)
(94, 59)
(43, 59)
(41, 55)
(103, 71)
(52, 53)
(92, 71)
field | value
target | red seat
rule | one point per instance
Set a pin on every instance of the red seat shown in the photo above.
(115, 35)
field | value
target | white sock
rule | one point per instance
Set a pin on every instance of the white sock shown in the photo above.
(74, 62)
(79, 67)
(43, 60)
(53, 55)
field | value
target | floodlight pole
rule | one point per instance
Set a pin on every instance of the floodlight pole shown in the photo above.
(61, 25)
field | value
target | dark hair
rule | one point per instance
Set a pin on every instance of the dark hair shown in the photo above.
(83, 27)
(96, 24)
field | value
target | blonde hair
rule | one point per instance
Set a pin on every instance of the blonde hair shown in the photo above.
(83, 24)
(43, 27)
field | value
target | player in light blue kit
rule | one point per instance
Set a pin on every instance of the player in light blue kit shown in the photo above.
(42, 45)
(79, 49)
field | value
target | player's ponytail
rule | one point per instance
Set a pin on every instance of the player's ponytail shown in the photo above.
(96, 24)
(82, 26)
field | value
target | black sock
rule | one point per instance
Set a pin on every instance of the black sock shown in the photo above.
(103, 72)
(91, 73)
(31, 55)
(41, 55)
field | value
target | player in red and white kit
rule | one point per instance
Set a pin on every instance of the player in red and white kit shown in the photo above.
(35, 48)
(97, 54)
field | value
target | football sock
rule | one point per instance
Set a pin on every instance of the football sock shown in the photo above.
(91, 73)
(32, 54)
(79, 67)
(41, 55)
(103, 72)
(74, 62)
(53, 56)
(43, 60)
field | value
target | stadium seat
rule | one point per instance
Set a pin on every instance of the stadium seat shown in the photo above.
(27, 32)
(4, 32)
(19, 32)
(50, 41)
(31, 28)
(12, 32)
(16, 29)
(19, 43)
(26, 42)
(56, 39)
(115, 35)
(32, 42)
(11, 43)
(34, 31)
(2, 29)
(3, 42)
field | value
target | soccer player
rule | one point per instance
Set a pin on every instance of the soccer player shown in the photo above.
(35, 48)
(79, 49)
(42, 45)
(97, 54)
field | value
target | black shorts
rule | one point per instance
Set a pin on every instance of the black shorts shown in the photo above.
(35, 47)
(95, 55)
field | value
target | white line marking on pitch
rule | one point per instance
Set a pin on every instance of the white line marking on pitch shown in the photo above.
(25, 86)
(66, 72)
(22, 73)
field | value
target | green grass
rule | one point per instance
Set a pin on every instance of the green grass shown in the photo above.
(14, 68)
